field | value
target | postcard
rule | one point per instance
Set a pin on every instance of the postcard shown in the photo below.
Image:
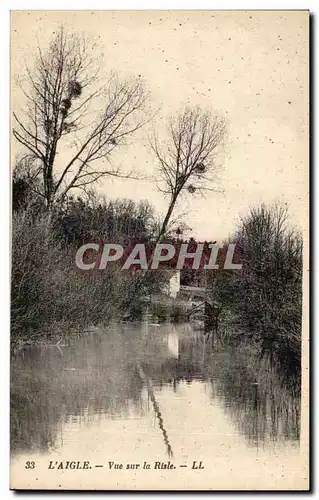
(160, 250)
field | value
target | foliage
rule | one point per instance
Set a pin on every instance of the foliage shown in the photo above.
(81, 219)
(47, 287)
(266, 296)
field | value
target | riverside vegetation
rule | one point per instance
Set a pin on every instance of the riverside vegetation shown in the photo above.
(262, 304)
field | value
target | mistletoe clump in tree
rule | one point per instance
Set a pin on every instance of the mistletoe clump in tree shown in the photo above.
(69, 112)
(187, 157)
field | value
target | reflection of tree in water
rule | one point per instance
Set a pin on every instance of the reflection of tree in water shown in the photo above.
(156, 408)
(98, 376)
(261, 406)
(48, 389)
(33, 425)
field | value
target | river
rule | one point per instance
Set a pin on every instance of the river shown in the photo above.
(145, 394)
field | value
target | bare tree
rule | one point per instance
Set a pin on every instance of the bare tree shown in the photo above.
(59, 91)
(187, 158)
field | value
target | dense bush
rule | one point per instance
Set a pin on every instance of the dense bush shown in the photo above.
(78, 220)
(48, 289)
(266, 295)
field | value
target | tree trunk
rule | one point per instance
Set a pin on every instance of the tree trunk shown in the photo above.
(167, 218)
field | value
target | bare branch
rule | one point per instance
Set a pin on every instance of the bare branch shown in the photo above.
(59, 91)
(186, 159)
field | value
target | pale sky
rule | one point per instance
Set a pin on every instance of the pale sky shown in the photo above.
(250, 66)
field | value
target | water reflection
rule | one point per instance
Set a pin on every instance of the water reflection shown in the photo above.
(131, 372)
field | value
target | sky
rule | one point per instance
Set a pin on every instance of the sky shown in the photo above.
(249, 66)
